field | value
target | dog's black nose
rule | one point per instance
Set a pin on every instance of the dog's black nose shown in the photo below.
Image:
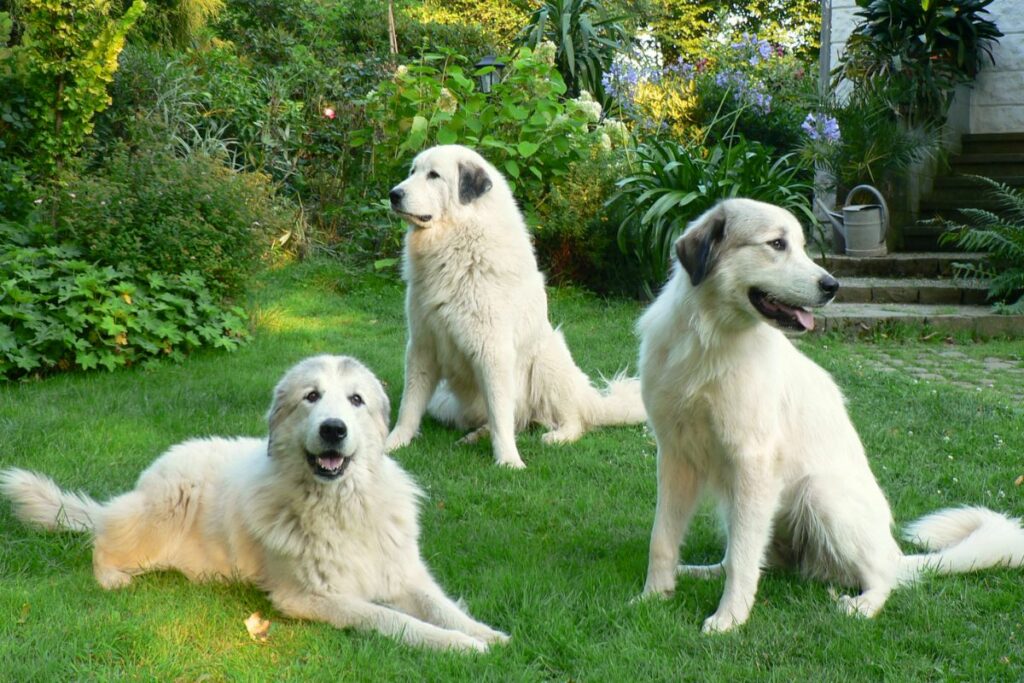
(829, 285)
(396, 195)
(333, 430)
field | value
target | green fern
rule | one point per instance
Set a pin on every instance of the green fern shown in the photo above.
(1000, 234)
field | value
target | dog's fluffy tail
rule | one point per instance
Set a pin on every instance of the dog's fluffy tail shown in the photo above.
(962, 540)
(619, 404)
(40, 502)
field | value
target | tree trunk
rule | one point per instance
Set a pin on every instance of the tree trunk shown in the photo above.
(392, 34)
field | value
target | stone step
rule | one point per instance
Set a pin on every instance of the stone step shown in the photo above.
(967, 182)
(988, 164)
(912, 291)
(950, 201)
(979, 321)
(925, 237)
(997, 143)
(929, 264)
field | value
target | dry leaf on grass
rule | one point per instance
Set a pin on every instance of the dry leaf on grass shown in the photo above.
(1019, 480)
(258, 627)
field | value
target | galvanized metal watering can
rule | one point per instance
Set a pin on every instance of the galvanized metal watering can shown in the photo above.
(860, 229)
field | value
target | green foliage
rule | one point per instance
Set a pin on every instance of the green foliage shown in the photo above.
(876, 146)
(675, 182)
(59, 312)
(683, 27)
(585, 40)
(1001, 234)
(576, 234)
(179, 23)
(67, 57)
(917, 51)
(523, 126)
(152, 212)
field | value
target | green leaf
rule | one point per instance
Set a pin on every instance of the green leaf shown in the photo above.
(526, 148)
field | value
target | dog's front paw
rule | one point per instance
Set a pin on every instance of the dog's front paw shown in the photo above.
(651, 594)
(720, 623)
(491, 636)
(461, 642)
(397, 439)
(512, 462)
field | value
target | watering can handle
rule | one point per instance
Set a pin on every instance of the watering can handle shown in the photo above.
(881, 201)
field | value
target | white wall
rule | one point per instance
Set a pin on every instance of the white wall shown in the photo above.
(996, 102)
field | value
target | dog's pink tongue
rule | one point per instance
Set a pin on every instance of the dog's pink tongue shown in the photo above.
(805, 318)
(329, 463)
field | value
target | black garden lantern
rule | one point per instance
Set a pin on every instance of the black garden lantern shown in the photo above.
(487, 80)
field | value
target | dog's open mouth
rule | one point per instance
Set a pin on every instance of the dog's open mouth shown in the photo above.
(785, 315)
(329, 464)
(419, 218)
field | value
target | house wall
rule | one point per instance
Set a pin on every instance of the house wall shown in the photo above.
(996, 102)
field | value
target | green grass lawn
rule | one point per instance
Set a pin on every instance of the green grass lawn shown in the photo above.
(551, 554)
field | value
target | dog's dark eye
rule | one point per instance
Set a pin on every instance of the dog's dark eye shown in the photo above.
(432, 175)
(356, 400)
(312, 396)
(778, 245)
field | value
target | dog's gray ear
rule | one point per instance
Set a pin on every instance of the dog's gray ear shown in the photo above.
(279, 409)
(384, 414)
(473, 182)
(698, 246)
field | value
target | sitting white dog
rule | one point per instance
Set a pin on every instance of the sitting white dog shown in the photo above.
(480, 342)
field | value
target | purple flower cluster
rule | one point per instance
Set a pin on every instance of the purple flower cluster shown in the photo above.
(744, 90)
(755, 50)
(821, 127)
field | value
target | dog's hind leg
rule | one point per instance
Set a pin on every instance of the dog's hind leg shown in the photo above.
(567, 432)
(678, 489)
(127, 542)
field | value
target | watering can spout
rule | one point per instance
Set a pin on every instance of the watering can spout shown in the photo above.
(835, 218)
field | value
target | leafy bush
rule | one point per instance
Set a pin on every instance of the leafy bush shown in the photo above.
(576, 233)
(585, 38)
(674, 182)
(918, 52)
(58, 75)
(523, 126)
(152, 212)
(58, 312)
(1001, 234)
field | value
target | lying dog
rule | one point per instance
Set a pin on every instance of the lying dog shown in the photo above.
(737, 409)
(317, 515)
(480, 342)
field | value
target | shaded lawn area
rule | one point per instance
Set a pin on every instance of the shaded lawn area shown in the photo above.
(551, 554)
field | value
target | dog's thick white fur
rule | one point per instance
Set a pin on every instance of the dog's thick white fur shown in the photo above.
(736, 409)
(480, 342)
(317, 515)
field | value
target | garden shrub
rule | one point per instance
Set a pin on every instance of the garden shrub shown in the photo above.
(576, 234)
(672, 183)
(59, 312)
(747, 87)
(523, 126)
(152, 212)
(999, 233)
